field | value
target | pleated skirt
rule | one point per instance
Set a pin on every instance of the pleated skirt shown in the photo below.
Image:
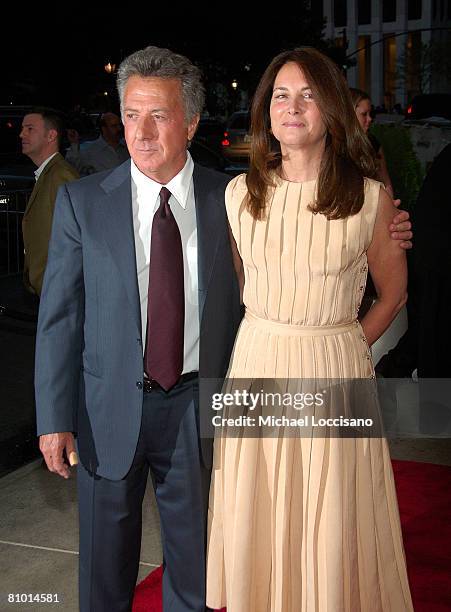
(304, 524)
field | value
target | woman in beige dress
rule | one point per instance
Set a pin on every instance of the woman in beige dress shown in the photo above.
(308, 523)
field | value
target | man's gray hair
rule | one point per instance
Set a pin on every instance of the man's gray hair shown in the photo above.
(165, 64)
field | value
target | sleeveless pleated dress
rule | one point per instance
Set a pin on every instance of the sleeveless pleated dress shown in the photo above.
(304, 524)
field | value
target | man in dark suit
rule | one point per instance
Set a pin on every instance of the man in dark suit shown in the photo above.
(102, 309)
(42, 130)
(140, 271)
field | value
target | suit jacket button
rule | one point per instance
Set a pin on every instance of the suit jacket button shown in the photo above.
(139, 384)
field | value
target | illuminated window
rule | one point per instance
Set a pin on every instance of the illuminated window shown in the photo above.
(413, 64)
(364, 63)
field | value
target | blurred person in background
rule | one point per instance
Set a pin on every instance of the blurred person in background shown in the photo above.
(425, 345)
(41, 134)
(105, 153)
(362, 107)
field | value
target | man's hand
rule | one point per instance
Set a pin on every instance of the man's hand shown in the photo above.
(52, 446)
(400, 229)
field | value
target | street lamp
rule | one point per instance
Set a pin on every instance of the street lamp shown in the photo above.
(110, 68)
(234, 84)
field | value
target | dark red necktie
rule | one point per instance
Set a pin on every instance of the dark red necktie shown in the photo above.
(163, 357)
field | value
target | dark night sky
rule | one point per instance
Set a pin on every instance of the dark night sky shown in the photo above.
(58, 59)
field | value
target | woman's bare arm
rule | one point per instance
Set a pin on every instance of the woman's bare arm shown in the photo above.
(384, 176)
(387, 264)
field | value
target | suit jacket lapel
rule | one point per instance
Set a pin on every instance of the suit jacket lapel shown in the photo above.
(208, 231)
(117, 220)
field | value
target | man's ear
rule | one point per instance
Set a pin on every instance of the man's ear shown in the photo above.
(192, 126)
(52, 135)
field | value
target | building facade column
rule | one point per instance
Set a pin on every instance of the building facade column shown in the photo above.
(377, 54)
(352, 36)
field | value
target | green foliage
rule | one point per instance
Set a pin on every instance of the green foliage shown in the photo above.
(403, 166)
(419, 64)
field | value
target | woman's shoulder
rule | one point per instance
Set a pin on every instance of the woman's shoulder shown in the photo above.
(373, 190)
(236, 189)
(237, 184)
(235, 193)
(372, 185)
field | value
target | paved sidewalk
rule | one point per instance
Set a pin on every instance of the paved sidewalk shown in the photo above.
(39, 538)
(39, 533)
(18, 313)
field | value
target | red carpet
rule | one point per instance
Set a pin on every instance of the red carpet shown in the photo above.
(424, 497)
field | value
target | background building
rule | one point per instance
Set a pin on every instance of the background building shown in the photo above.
(397, 53)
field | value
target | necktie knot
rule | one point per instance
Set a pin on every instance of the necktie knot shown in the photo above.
(165, 194)
(164, 209)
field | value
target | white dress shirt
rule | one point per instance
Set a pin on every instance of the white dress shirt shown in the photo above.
(145, 202)
(38, 171)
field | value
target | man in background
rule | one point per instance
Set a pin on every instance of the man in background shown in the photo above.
(105, 153)
(41, 134)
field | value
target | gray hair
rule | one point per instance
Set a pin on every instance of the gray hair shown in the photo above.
(165, 64)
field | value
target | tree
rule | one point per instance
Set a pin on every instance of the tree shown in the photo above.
(422, 64)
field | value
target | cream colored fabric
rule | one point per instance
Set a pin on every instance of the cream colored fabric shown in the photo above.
(303, 524)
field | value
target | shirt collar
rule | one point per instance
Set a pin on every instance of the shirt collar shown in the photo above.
(179, 186)
(38, 171)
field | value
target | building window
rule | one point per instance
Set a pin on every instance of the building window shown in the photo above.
(413, 66)
(389, 10)
(414, 9)
(364, 12)
(340, 13)
(364, 63)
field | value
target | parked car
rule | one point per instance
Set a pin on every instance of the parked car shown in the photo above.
(205, 156)
(209, 158)
(236, 144)
(425, 106)
(210, 133)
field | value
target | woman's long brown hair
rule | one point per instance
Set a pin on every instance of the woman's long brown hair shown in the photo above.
(347, 157)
